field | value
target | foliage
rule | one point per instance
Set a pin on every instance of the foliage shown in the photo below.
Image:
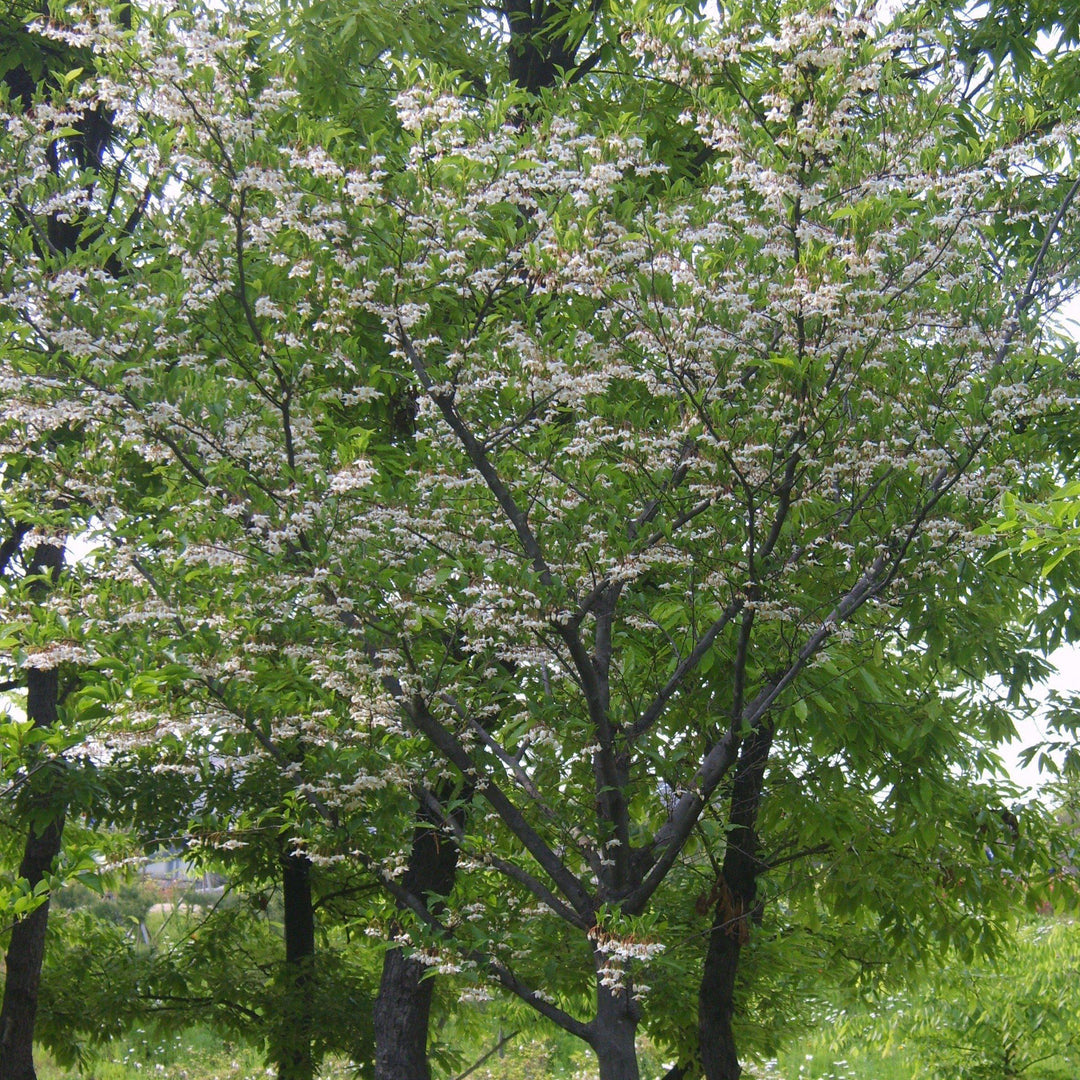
(538, 471)
(215, 968)
(1007, 1019)
(127, 903)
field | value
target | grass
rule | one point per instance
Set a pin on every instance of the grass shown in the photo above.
(951, 1023)
(200, 1055)
(810, 1061)
(197, 1054)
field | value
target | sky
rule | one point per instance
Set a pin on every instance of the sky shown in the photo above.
(1065, 681)
(1067, 658)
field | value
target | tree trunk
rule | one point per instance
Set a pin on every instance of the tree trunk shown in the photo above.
(45, 810)
(716, 1003)
(403, 1004)
(538, 47)
(402, 1009)
(295, 1058)
(24, 958)
(613, 1034)
(734, 897)
(89, 142)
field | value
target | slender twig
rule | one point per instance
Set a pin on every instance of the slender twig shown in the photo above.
(491, 1053)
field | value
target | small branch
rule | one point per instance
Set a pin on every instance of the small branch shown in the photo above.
(505, 867)
(660, 702)
(518, 519)
(451, 748)
(598, 590)
(676, 1072)
(670, 838)
(477, 455)
(525, 781)
(491, 1053)
(183, 1002)
(506, 978)
(519, 989)
(803, 853)
(1028, 295)
(10, 547)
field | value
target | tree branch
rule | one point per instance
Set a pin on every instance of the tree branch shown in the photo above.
(451, 748)
(693, 658)
(669, 840)
(476, 454)
(491, 1053)
(509, 869)
(10, 547)
(497, 970)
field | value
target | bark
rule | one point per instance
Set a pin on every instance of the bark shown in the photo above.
(295, 1058)
(44, 808)
(613, 1034)
(734, 899)
(677, 1072)
(402, 1009)
(538, 50)
(25, 954)
(87, 143)
(403, 1004)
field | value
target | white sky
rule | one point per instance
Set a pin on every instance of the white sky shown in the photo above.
(1067, 658)
(1065, 681)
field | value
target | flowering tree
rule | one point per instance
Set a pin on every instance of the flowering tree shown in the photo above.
(32, 554)
(450, 467)
(533, 43)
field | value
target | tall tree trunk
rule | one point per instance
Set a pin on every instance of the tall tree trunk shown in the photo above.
(403, 1004)
(44, 807)
(295, 1058)
(88, 142)
(402, 1010)
(25, 954)
(613, 1033)
(735, 894)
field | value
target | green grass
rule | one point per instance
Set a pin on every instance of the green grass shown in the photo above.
(811, 1061)
(196, 1054)
(951, 1024)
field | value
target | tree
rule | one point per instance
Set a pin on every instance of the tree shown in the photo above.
(31, 74)
(673, 462)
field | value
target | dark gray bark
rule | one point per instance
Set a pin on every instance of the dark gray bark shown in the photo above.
(26, 951)
(677, 1072)
(734, 906)
(44, 807)
(613, 1034)
(540, 47)
(403, 1004)
(294, 1051)
(545, 39)
(402, 1011)
(86, 144)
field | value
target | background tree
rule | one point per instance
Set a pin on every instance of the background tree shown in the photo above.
(33, 72)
